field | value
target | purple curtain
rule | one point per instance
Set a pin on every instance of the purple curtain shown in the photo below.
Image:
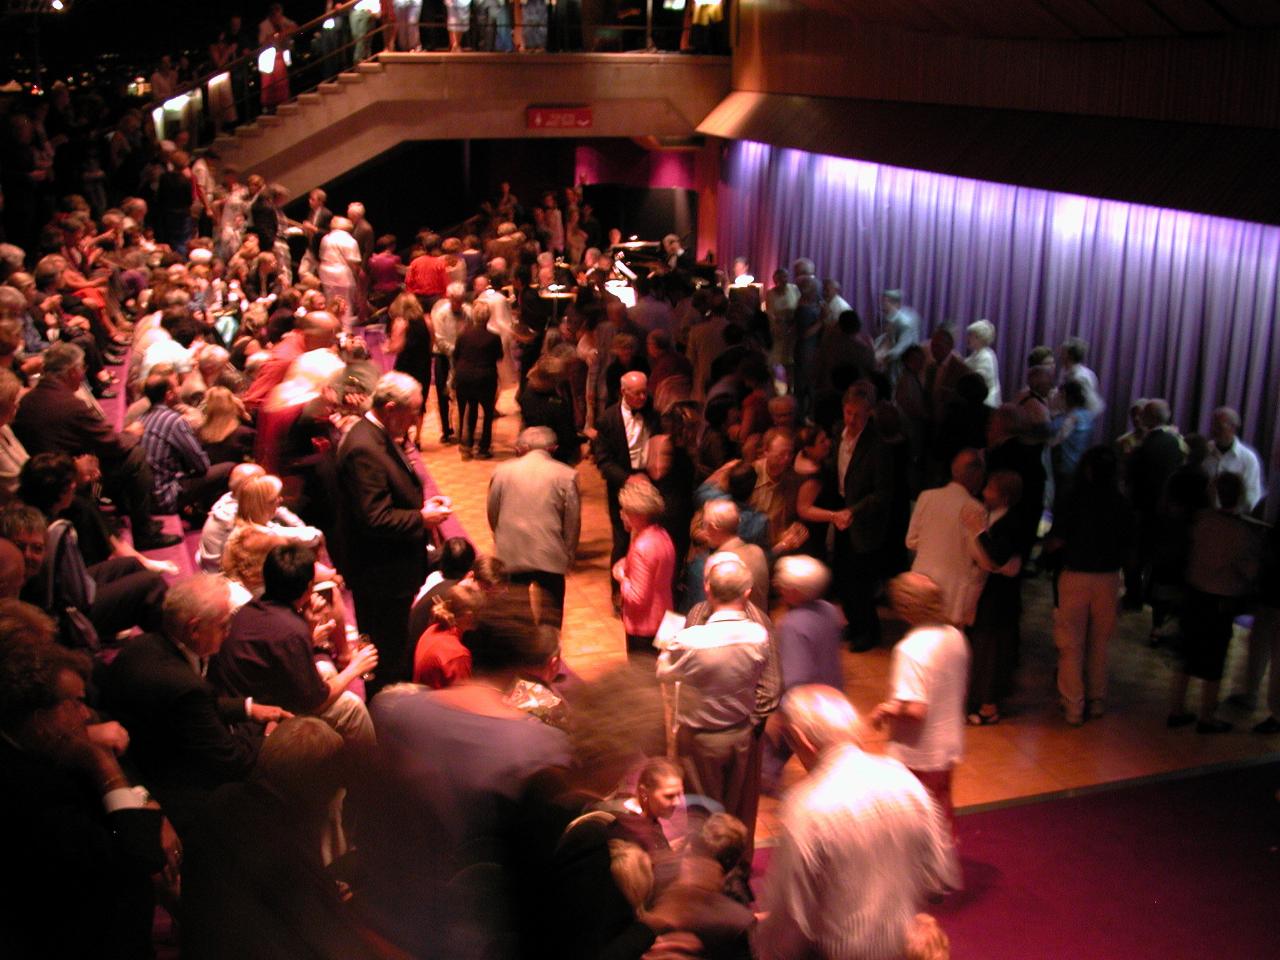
(1172, 304)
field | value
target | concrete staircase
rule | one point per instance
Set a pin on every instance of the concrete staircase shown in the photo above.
(399, 97)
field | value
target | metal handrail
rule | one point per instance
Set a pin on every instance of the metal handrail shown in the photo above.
(193, 106)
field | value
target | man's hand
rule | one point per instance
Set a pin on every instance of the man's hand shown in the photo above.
(436, 510)
(843, 518)
(620, 569)
(109, 735)
(263, 713)
(172, 848)
(792, 538)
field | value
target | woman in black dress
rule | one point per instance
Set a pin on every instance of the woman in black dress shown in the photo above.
(995, 635)
(410, 339)
(818, 500)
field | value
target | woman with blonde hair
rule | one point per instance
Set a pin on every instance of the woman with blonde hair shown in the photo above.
(224, 434)
(646, 574)
(256, 506)
(982, 359)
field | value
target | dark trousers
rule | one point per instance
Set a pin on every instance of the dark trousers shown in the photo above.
(470, 403)
(128, 595)
(129, 484)
(551, 592)
(440, 374)
(199, 493)
(857, 574)
(621, 538)
(386, 620)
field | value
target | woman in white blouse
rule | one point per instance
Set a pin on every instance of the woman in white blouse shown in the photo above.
(982, 359)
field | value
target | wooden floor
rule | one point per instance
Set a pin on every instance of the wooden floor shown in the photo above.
(1031, 752)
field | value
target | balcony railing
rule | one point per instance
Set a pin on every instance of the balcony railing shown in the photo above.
(299, 60)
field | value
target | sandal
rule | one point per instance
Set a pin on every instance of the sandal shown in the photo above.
(982, 719)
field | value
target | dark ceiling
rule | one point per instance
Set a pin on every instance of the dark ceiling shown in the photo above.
(1062, 19)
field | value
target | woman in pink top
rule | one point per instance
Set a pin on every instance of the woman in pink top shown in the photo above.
(646, 573)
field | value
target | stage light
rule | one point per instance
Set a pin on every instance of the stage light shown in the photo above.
(57, 6)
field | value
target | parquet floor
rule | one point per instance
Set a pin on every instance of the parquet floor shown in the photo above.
(1031, 752)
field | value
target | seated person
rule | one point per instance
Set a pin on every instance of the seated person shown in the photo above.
(440, 658)
(89, 842)
(117, 594)
(184, 481)
(255, 871)
(659, 794)
(268, 654)
(184, 739)
(453, 561)
(222, 519)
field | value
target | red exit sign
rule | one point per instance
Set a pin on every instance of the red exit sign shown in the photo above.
(558, 118)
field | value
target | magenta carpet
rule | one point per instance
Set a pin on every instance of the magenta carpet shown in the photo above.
(1182, 869)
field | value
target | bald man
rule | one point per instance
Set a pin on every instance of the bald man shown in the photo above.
(621, 449)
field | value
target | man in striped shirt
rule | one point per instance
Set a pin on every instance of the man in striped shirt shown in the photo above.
(862, 844)
(184, 480)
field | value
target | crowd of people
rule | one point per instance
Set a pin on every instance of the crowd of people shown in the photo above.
(354, 733)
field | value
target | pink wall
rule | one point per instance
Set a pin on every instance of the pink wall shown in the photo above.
(625, 162)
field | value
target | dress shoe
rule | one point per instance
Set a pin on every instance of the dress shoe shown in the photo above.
(1268, 726)
(1213, 725)
(158, 541)
(484, 455)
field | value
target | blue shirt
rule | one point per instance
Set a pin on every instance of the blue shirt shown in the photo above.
(173, 452)
(809, 645)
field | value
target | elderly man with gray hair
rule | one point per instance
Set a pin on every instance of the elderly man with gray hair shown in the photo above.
(862, 844)
(720, 664)
(534, 513)
(718, 530)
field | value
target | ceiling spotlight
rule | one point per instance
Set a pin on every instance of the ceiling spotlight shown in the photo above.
(57, 5)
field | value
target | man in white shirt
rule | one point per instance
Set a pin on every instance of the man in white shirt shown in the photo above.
(1228, 454)
(1072, 355)
(448, 316)
(940, 540)
(340, 268)
(861, 843)
(719, 665)
(833, 303)
(927, 686)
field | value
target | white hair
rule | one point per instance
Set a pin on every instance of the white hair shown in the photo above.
(984, 330)
(822, 715)
(355, 210)
(805, 575)
(535, 438)
(721, 515)
(455, 290)
(395, 387)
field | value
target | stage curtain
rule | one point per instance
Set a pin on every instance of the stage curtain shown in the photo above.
(1173, 304)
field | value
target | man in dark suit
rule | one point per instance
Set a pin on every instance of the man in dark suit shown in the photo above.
(316, 225)
(621, 448)
(181, 736)
(52, 418)
(865, 472)
(1159, 455)
(384, 523)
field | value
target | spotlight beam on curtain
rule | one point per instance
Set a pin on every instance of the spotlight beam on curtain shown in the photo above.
(1173, 304)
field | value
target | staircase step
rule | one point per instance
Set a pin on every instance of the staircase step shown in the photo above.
(224, 141)
(329, 88)
(308, 98)
(267, 120)
(370, 66)
(350, 77)
(249, 130)
(286, 110)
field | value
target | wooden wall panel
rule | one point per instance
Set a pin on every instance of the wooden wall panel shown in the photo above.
(788, 47)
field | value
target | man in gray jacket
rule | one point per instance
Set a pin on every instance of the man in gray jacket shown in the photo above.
(534, 514)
